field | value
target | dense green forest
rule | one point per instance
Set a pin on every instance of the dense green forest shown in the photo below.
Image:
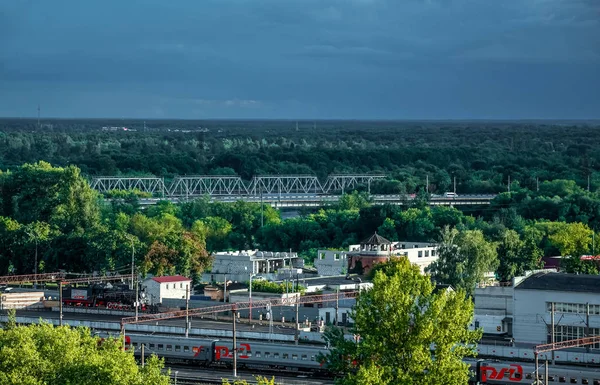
(481, 155)
(49, 211)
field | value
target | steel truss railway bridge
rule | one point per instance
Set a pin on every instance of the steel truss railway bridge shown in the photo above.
(276, 190)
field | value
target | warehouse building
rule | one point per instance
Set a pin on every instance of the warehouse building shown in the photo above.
(361, 258)
(238, 265)
(568, 302)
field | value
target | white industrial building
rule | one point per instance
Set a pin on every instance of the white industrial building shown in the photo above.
(158, 288)
(331, 262)
(494, 309)
(574, 298)
(376, 249)
(238, 265)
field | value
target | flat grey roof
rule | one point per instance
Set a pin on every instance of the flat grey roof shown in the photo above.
(582, 283)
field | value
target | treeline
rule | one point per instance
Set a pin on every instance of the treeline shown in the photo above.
(51, 213)
(481, 156)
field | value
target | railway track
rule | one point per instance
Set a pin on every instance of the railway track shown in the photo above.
(184, 375)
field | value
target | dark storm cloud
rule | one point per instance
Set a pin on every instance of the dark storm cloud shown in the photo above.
(295, 58)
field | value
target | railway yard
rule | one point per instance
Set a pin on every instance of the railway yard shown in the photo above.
(205, 357)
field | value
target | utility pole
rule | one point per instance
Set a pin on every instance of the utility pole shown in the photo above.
(187, 309)
(60, 303)
(537, 368)
(132, 261)
(225, 289)
(552, 333)
(262, 220)
(250, 297)
(337, 305)
(588, 182)
(142, 352)
(297, 336)
(546, 374)
(234, 345)
(587, 324)
(137, 296)
(36, 264)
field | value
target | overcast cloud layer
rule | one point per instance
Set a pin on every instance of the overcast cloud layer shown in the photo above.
(364, 59)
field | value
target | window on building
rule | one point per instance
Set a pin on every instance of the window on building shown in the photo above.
(286, 356)
(152, 346)
(420, 253)
(167, 286)
(295, 357)
(159, 347)
(304, 357)
(181, 285)
(574, 308)
(433, 253)
(426, 253)
(257, 354)
(321, 255)
(404, 246)
(169, 348)
(186, 349)
(336, 256)
(177, 348)
(567, 332)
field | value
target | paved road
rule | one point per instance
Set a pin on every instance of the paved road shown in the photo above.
(196, 322)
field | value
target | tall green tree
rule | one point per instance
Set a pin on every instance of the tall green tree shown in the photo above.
(421, 338)
(464, 257)
(36, 234)
(41, 354)
(574, 240)
(517, 255)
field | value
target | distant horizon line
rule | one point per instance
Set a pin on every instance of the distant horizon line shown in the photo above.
(311, 120)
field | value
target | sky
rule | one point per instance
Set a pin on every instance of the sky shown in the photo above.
(301, 59)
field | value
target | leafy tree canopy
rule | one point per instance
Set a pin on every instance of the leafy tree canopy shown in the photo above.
(45, 355)
(421, 336)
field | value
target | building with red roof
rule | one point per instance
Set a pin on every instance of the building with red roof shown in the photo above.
(170, 286)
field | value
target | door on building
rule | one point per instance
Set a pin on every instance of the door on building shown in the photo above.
(327, 317)
(345, 318)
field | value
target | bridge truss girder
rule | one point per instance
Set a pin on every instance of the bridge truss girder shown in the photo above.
(186, 186)
(152, 185)
(341, 183)
(285, 184)
(231, 185)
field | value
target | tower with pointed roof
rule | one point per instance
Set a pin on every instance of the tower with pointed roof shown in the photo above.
(375, 249)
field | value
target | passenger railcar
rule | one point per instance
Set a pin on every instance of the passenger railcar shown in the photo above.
(209, 352)
(281, 356)
(499, 372)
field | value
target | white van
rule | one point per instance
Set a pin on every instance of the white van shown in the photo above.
(450, 195)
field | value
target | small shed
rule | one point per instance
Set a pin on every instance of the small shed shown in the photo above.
(174, 286)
